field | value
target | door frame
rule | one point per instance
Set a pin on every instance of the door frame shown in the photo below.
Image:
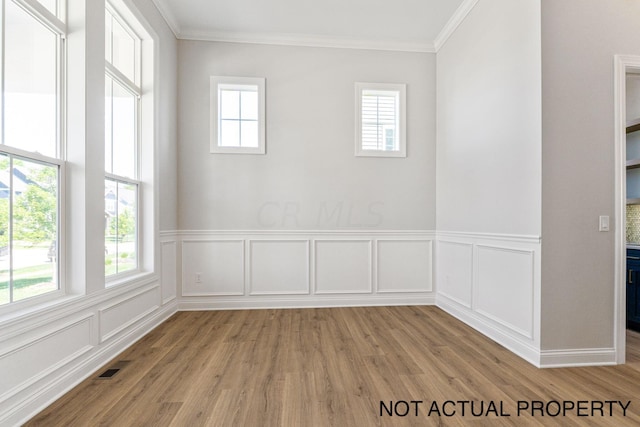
(623, 65)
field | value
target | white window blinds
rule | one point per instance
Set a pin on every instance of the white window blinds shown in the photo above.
(380, 120)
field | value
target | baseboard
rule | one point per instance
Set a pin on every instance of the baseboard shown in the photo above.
(265, 302)
(57, 386)
(577, 357)
(485, 326)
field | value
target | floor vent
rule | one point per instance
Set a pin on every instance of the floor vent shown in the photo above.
(109, 373)
(113, 370)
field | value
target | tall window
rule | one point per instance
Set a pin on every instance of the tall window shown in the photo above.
(380, 118)
(30, 152)
(237, 115)
(122, 148)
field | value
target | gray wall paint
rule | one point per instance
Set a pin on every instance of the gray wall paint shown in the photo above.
(580, 39)
(489, 138)
(309, 178)
(167, 136)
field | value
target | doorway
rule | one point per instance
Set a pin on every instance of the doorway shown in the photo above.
(627, 196)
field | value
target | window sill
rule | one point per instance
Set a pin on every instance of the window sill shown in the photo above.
(380, 153)
(35, 307)
(215, 149)
(132, 278)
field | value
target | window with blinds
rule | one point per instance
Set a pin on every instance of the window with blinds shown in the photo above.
(380, 120)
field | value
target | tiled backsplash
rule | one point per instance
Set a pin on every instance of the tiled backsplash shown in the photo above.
(633, 224)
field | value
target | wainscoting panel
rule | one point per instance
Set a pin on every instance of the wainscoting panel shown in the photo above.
(169, 271)
(291, 268)
(213, 267)
(455, 271)
(505, 287)
(25, 363)
(130, 309)
(343, 266)
(404, 266)
(279, 267)
(492, 283)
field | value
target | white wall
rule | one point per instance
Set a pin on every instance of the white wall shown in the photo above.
(309, 179)
(489, 173)
(580, 39)
(488, 163)
(47, 351)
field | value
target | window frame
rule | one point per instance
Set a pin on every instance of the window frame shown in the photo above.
(401, 131)
(216, 82)
(134, 87)
(53, 23)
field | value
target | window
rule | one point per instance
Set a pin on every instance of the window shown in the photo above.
(380, 120)
(237, 115)
(122, 145)
(30, 150)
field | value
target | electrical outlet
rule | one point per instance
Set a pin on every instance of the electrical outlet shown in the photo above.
(198, 277)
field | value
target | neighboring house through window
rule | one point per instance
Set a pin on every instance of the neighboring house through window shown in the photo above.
(31, 165)
(123, 93)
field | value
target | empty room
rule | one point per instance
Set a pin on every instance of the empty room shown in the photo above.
(319, 213)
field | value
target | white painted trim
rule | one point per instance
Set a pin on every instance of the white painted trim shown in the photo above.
(41, 317)
(454, 22)
(401, 90)
(307, 40)
(60, 364)
(522, 238)
(120, 301)
(214, 119)
(377, 265)
(521, 347)
(476, 289)
(315, 263)
(205, 294)
(523, 343)
(622, 65)
(194, 234)
(471, 275)
(303, 301)
(309, 297)
(168, 16)
(173, 243)
(249, 265)
(48, 393)
(577, 357)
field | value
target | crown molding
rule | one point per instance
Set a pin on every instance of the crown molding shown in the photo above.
(168, 16)
(284, 39)
(306, 40)
(454, 22)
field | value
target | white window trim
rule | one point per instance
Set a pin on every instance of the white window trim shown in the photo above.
(144, 88)
(58, 27)
(402, 125)
(227, 80)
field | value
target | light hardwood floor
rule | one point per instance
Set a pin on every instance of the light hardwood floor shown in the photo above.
(332, 367)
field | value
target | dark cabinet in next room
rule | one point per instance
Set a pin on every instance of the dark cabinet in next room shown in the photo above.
(633, 289)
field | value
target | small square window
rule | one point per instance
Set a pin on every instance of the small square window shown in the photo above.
(380, 120)
(237, 115)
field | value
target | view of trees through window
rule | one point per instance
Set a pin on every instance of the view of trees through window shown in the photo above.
(120, 202)
(122, 106)
(28, 228)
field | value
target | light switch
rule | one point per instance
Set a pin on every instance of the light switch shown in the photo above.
(604, 223)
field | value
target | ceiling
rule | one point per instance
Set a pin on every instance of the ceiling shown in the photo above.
(413, 25)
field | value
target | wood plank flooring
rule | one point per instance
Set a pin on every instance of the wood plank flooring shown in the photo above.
(332, 367)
